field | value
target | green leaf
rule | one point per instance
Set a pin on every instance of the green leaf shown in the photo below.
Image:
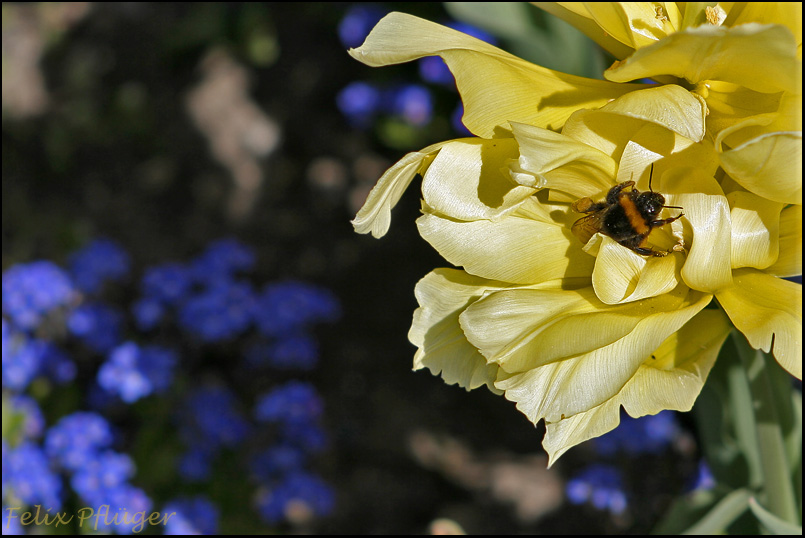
(725, 395)
(723, 514)
(772, 523)
(687, 510)
(534, 35)
(773, 414)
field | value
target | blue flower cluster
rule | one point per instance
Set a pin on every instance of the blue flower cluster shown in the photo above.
(28, 473)
(100, 262)
(704, 479)
(78, 447)
(58, 329)
(196, 515)
(33, 290)
(26, 358)
(363, 102)
(133, 372)
(98, 325)
(645, 435)
(210, 420)
(210, 303)
(601, 486)
(298, 497)
(295, 408)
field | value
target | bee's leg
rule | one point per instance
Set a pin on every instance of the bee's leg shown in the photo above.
(651, 252)
(614, 192)
(661, 222)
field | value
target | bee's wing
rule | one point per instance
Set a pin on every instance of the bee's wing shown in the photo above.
(587, 226)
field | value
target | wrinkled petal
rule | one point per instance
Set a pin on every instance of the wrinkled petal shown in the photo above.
(789, 14)
(707, 267)
(559, 162)
(442, 347)
(634, 143)
(527, 328)
(769, 165)
(755, 229)
(375, 215)
(561, 389)
(789, 261)
(469, 180)
(635, 24)
(759, 57)
(623, 276)
(670, 106)
(681, 152)
(617, 28)
(748, 113)
(768, 311)
(517, 248)
(671, 379)
(674, 375)
(522, 329)
(495, 86)
(562, 435)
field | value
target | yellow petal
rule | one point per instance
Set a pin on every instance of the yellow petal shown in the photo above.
(768, 311)
(707, 267)
(671, 379)
(619, 39)
(524, 329)
(567, 387)
(442, 347)
(375, 215)
(562, 435)
(623, 276)
(769, 165)
(789, 261)
(755, 229)
(625, 137)
(635, 24)
(759, 57)
(674, 375)
(730, 104)
(650, 143)
(560, 162)
(495, 86)
(789, 14)
(469, 179)
(517, 248)
(670, 106)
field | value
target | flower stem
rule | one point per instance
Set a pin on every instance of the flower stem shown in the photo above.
(771, 390)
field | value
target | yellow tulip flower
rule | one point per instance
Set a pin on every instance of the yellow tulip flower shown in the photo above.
(571, 331)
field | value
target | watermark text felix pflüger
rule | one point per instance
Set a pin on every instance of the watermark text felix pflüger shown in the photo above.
(85, 517)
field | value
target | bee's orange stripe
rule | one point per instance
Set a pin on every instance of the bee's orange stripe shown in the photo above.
(633, 214)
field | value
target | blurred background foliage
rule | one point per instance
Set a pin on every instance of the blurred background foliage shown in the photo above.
(164, 126)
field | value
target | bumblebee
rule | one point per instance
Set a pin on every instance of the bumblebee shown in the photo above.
(627, 216)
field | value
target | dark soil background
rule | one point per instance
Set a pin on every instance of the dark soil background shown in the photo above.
(114, 151)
